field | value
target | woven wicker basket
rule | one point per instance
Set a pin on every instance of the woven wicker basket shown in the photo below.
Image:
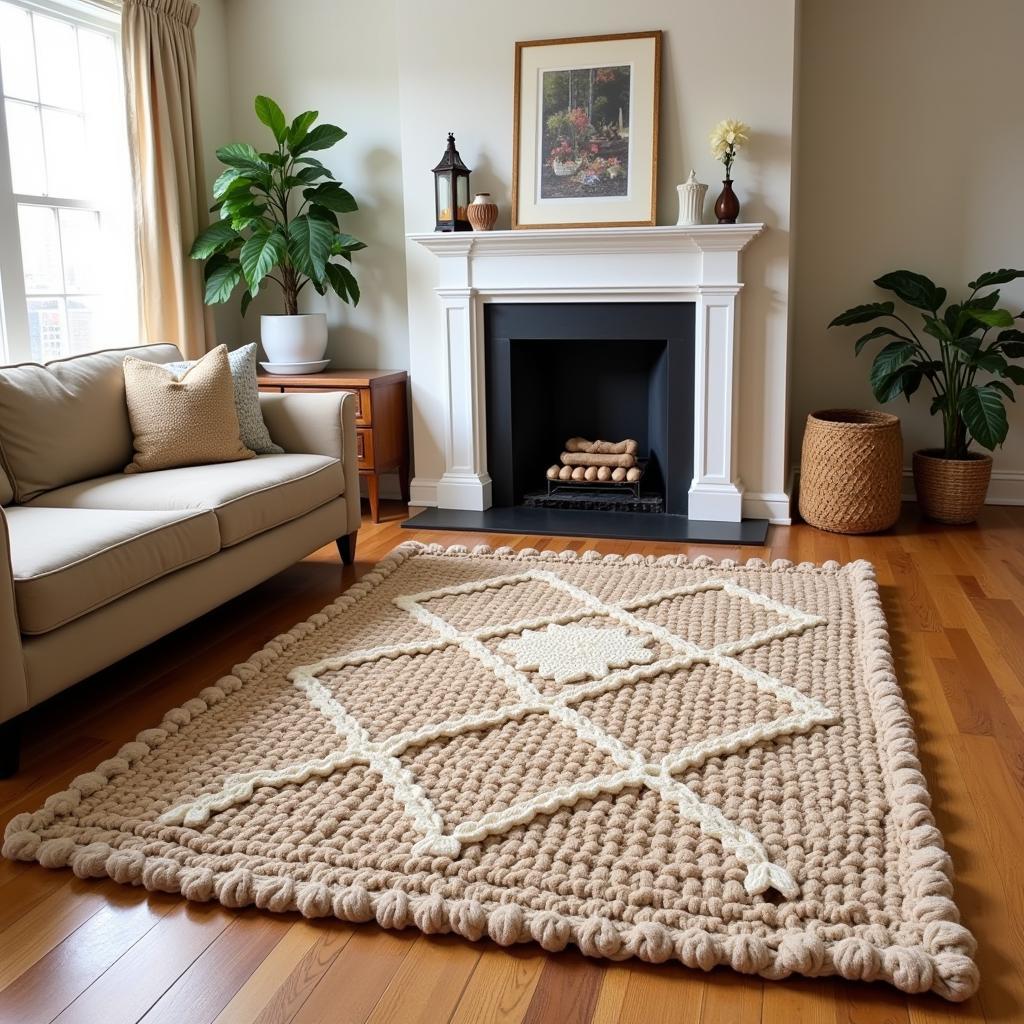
(951, 490)
(851, 470)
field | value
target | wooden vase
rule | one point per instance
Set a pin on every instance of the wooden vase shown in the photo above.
(727, 206)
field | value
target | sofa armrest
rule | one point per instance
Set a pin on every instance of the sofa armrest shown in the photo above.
(13, 685)
(323, 423)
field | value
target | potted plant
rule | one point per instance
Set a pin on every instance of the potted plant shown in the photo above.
(279, 222)
(951, 481)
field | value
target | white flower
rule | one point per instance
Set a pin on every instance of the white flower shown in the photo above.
(727, 137)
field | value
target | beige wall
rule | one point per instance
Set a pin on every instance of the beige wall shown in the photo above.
(338, 57)
(462, 81)
(910, 156)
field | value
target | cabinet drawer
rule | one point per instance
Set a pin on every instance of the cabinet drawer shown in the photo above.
(364, 449)
(364, 407)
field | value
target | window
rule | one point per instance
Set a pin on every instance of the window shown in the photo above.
(67, 248)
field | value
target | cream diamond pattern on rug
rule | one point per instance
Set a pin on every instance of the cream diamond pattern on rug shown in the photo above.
(569, 654)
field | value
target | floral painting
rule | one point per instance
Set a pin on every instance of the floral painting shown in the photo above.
(585, 124)
(585, 140)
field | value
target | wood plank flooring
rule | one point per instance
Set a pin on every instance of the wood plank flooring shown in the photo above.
(93, 951)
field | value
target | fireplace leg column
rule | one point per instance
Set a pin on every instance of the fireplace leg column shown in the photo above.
(716, 492)
(465, 483)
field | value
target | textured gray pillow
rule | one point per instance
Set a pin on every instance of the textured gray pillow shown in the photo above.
(247, 399)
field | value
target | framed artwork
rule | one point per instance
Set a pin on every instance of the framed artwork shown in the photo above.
(585, 139)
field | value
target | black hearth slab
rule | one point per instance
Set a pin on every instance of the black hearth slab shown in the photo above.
(599, 525)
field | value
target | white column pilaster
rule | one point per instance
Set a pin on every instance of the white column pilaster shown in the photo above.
(716, 492)
(465, 483)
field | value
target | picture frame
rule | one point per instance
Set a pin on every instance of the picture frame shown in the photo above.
(585, 131)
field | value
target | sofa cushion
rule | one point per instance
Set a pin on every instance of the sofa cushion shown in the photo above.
(247, 398)
(183, 421)
(69, 561)
(247, 497)
(68, 420)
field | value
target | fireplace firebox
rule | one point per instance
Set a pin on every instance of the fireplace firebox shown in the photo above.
(596, 370)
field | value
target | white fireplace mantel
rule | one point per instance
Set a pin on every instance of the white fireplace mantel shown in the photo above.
(698, 264)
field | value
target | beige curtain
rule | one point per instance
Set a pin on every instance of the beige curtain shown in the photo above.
(159, 51)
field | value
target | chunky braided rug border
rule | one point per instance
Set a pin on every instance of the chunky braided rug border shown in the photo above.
(942, 961)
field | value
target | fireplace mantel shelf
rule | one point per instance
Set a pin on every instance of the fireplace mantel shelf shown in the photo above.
(599, 241)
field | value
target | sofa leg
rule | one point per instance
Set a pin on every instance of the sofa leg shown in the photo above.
(10, 747)
(347, 547)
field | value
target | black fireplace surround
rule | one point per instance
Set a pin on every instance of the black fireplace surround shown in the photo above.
(594, 370)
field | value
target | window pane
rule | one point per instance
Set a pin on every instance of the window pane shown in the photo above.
(28, 170)
(101, 85)
(47, 328)
(68, 167)
(57, 59)
(40, 249)
(81, 250)
(16, 59)
(83, 313)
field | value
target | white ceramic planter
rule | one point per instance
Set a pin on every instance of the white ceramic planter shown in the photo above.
(294, 339)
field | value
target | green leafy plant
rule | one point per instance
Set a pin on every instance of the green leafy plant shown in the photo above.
(961, 349)
(279, 216)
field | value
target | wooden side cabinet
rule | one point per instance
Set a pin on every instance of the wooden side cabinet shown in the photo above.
(382, 426)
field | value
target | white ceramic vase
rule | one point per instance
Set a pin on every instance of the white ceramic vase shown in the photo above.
(294, 339)
(691, 200)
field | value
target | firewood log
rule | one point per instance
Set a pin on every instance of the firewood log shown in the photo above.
(581, 444)
(586, 459)
(632, 475)
(565, 473)
(578, 472)
(618, 475)
(604, 473)
(590, 473)
(553, 472)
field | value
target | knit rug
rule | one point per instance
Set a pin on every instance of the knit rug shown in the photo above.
(644, 757)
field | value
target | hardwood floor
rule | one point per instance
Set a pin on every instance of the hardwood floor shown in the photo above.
(76, 951)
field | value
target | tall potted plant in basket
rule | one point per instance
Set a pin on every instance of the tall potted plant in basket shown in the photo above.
(967, 368)
(279, 223)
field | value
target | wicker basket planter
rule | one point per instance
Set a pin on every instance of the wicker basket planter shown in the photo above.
(951, 490)
(851, 470)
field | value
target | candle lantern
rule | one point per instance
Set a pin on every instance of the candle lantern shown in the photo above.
(451, 191)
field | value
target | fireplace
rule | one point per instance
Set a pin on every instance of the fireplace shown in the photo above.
(468, 473)
(555, 371)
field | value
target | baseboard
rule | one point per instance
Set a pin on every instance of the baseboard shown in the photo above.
(423, 492)
(1006, 488)
(770, 505)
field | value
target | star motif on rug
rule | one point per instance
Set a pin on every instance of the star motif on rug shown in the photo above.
(568, 654)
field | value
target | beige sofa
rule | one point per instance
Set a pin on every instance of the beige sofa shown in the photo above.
(96, 563)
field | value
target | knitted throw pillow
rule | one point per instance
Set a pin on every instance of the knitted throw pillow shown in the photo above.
(186, 421)
(247, 398)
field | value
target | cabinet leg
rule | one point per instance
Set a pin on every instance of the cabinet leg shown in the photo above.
(373, 490)
(403, 481)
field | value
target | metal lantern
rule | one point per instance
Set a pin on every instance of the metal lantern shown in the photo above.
(451, 191)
